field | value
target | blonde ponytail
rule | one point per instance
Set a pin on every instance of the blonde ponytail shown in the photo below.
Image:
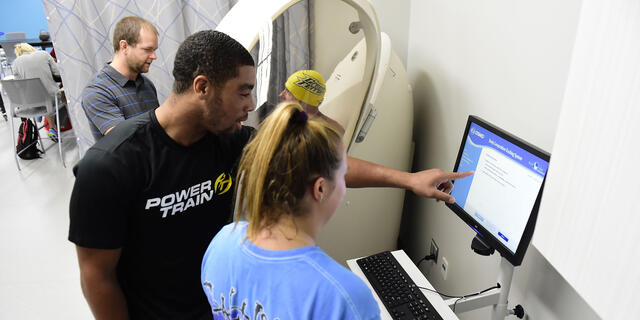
(287, 153)
(21, 48)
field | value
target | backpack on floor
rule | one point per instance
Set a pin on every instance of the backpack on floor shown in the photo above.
(27, 147)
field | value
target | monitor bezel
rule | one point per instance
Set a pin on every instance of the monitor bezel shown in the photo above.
(515, 258)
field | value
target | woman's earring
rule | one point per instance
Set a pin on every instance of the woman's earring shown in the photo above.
(321, 197)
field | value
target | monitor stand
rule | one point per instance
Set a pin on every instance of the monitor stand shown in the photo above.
(494, 297)
(478, 246)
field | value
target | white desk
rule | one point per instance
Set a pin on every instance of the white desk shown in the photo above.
(417, 276)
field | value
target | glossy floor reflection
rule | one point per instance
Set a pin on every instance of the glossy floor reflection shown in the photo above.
(38, 266)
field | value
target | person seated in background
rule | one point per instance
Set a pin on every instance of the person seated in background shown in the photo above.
(291, 180)
(307, 87)
(119, 91)
(31, 63)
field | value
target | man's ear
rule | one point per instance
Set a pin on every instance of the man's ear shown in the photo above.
(202, 86)
(123, 45)
(319, 189)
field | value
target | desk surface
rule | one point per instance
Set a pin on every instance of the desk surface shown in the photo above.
(34, 42)
(417, 277)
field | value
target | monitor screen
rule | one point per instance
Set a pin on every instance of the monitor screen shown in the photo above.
(500, 200)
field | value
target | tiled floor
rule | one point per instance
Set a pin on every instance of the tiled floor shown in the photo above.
(38, 266)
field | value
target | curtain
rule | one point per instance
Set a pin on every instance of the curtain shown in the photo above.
(288, 51)
(82, 34)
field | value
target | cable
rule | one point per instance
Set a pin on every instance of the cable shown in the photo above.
(456, 302)
(427, 258)
(497, 286)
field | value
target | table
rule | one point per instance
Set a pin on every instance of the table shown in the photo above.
(35, 42)
(417, 276)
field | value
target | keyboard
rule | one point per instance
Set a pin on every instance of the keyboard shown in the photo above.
(399, 294)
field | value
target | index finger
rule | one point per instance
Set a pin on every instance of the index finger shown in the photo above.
(458, 175)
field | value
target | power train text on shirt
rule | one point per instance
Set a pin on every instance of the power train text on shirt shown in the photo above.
(181, 201)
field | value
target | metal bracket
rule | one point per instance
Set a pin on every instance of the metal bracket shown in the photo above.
(367, 124)
(476, 302)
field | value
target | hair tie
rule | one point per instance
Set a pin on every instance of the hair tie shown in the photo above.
(299, 117)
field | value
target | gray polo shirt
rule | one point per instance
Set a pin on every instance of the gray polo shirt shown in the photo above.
(109, 98)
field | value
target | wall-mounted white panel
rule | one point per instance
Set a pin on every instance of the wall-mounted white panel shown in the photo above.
(590, 211)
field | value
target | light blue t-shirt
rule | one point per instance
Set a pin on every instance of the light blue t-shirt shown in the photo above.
(243, 281)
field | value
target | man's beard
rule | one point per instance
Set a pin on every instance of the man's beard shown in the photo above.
(215, 128)
(138, 67)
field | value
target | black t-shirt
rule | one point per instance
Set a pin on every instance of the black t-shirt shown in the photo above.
(162, 203)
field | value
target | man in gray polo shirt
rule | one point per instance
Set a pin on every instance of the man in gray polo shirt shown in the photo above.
(119, 91)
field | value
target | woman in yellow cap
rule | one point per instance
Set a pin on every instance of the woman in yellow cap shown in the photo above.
(307, 87)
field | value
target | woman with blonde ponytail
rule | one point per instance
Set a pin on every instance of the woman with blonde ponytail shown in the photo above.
(266, 265)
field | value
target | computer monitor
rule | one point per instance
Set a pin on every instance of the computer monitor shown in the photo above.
(500, 200)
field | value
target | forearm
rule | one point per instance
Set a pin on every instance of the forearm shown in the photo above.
(104, 296)
(362, 174)
(101, 109)
(432, 183)
(99, 282)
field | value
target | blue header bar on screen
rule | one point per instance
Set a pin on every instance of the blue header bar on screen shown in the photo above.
(482, 137)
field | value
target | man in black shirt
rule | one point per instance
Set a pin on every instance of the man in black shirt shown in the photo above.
(150, 196)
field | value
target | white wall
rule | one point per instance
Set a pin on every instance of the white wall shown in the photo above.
(588, 222)
(507, 62)
(393, 17)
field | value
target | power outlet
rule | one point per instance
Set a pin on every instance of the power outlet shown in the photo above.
(444, 268)
(434, 251)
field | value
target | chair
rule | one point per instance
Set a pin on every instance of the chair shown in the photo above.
(5, 66)
(12, 39)
(28, 98)
(9, 47)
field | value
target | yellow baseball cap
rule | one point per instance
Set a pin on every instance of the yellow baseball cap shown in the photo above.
(307, 86)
